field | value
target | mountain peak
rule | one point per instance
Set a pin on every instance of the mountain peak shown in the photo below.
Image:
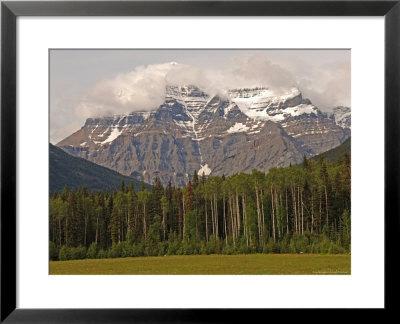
(276, 105)
(342, 116)
(182, 92)
(249, 128)
(264, 92)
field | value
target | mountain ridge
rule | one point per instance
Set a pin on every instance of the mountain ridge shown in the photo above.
(195, 132)
(333, 154)
(75, 172)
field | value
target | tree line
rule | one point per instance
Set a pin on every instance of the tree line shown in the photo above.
(297, 209)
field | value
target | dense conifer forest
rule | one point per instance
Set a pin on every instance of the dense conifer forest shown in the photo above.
(297, 209)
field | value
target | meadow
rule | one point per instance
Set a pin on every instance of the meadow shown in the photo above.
(248, 264)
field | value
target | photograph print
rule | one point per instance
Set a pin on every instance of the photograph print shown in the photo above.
(200, 161)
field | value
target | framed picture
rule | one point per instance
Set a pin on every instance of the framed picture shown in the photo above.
(203, 149)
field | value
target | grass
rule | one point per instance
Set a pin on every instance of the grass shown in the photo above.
(290, 264)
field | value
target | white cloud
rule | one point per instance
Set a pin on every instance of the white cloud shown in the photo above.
(143, 89)
(327, 86)
(139, 90)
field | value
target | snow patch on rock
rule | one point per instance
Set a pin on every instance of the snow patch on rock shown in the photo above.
(300, 110)
(112, 137)
(204, 168)
(238, 128)
(342, 116)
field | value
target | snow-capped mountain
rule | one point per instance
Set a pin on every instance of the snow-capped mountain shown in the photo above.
(265, 104)
(193, 131)
(342, 116)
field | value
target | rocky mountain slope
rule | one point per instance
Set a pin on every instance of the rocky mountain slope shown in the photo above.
(193, 131)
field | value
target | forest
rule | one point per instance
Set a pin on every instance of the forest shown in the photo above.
(304, 208)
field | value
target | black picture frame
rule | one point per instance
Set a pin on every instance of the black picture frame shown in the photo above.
(10, 10)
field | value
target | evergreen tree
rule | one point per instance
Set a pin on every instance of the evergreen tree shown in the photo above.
(195, 180)
(122, 187)
(157, 192)
(189, 197)
(302, 208)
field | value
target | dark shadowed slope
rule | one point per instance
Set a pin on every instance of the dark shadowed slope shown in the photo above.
(70, 171)
(333, 154)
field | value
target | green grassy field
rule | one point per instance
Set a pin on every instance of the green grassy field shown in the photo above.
(209, 264)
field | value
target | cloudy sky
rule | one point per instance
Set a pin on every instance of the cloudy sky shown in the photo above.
(93, 83)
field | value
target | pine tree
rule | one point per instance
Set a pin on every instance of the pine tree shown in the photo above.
(122, 187)
(142, 186)
(195, 180)
(304, 207)
(178, 200)
(157, 192)
(165, 210)
(115, 227)
(189, 197)
(325, 181)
